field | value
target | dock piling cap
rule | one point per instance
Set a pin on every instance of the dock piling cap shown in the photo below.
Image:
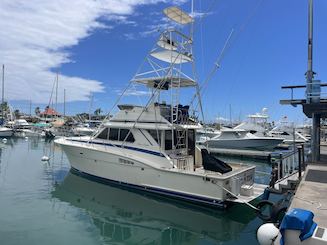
(298, 219)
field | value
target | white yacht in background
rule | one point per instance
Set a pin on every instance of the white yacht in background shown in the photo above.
(5, 132)
(205, 133)
(288, 132)
(23, 129)
(152, 147)
(241, 139)
(83, 130)
(256, 124)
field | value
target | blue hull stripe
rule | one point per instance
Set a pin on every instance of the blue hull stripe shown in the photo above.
(173, 194)
(120, 146)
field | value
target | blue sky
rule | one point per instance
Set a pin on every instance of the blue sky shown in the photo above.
(102, 51)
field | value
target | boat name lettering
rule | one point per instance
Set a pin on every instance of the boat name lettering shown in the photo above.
(124, 161)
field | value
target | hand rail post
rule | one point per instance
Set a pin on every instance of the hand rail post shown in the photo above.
(300, 162)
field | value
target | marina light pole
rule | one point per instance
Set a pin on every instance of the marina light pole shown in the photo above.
(309, 73)
(313, 90)
(313, 105)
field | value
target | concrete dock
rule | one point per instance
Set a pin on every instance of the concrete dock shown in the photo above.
(311, 193)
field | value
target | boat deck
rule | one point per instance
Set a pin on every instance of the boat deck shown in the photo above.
(237, 168)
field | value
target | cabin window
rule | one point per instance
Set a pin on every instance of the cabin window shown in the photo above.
(103, 134)
(123, 133)
(113, 134)
(156, 135)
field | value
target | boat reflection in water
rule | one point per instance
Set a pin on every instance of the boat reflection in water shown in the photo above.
(125, 217)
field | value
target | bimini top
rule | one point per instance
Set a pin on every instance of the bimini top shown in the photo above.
(177, 15)
(166, 82)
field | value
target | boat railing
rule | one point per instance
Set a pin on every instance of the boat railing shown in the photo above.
(286, 164)
(313, 92)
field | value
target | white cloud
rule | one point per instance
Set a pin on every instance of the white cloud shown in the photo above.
(35, 37)
(133, 92)
(222, 119)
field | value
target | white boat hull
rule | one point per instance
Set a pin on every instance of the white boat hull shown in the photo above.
(6, 132)
(83, 131)
(128, 170)
(253, 143)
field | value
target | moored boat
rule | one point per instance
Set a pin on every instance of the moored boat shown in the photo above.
(152, 147)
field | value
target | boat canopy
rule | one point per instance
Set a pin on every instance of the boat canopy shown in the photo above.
(173, 57)
(166, 82)
(178, 15)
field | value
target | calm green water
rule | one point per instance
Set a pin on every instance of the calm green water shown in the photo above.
(43, 203)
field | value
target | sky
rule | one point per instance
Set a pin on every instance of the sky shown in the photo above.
(96, 47)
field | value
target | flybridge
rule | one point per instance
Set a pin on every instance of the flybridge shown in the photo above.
(165, 83)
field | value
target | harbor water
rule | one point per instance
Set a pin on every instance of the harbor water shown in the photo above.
(45, 203)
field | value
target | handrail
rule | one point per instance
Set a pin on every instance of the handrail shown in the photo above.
(287, 165)
(312, 94)
(301, 86)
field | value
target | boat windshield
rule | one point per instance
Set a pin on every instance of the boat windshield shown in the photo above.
(116, 134)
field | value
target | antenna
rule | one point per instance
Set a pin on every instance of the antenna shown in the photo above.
(57, 93)
(64, 103)
(3, 84)
(3, 91)
(310, 73)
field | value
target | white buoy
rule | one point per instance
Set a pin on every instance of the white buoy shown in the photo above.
(26, 138)
(45, 159)
(267, 234)
(4, 140)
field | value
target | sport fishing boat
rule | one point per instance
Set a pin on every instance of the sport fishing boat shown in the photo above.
(241, 139)
(152, 147)
(286, 130)
(256, 124)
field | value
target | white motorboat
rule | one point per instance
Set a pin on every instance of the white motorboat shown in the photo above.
(203, 134)
(23, 129)
(288, 132)
(5, 132)
(152, 147)
(241, 139)
(83, 130)
(256, 124)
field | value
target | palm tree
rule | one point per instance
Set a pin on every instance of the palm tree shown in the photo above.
(17, 113)
(37, 111)
(4, 107)
(97, 112)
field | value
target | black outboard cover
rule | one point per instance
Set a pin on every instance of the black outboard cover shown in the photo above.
(213, 164)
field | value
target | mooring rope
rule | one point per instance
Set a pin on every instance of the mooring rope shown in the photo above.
(234, 195)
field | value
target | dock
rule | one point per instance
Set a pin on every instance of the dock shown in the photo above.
(311, 193)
